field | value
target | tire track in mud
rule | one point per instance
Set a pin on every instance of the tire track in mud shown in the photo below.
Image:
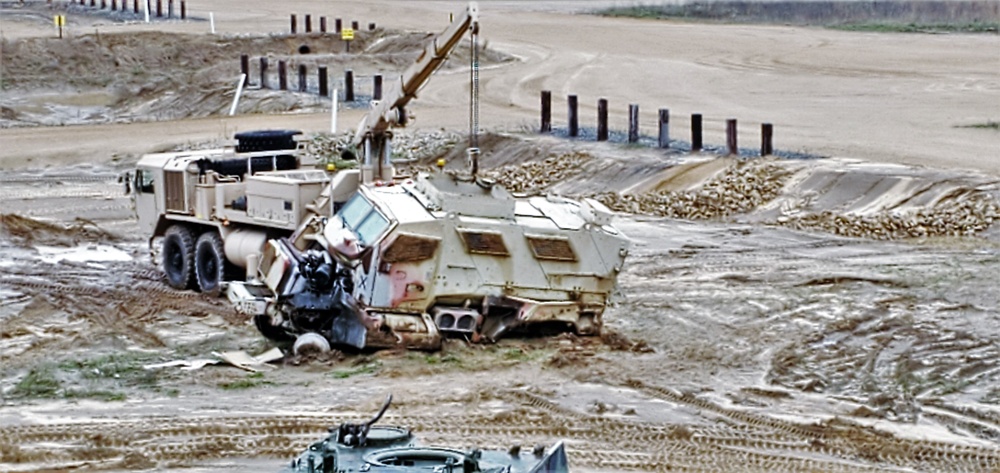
(850, 441)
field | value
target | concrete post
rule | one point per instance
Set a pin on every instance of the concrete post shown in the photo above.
(731, 146)
(377, 87)
(633, 123)
(573, 118)
(766, 133)
(324, 90)
(696, 143)
(348, 85)
(602, 120)
(263, 72)
(664, 128)
(546, 112)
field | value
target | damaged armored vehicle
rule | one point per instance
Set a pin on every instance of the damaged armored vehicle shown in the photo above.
(406, 262)
(387, 260)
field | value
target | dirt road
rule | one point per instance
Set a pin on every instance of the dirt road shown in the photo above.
(752, 340)
(893, 98)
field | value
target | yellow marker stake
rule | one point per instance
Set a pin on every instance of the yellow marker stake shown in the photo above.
(60, 21)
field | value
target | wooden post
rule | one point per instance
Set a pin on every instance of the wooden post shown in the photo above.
(602, 120)
(293, 23)
(633, 122)
(664, 128)
(263, 72)
(573, 118)
(184, 10)
(324, 90)
(309, 23)
(766, 133)
(303, 83)
(354, 25)
(282, 76)
(731, 146)
(377, 87)
(371, 26)
(322, 24)
(348, 85)
(696, 132)
(546, 111)
(338, 25)
(170, 8)
(245, 68)
(159, 8)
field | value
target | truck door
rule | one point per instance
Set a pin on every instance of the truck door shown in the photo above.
(145, 200)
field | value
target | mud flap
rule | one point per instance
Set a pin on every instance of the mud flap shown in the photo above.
(347, 329)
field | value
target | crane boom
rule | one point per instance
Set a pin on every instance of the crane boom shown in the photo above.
(371, 135)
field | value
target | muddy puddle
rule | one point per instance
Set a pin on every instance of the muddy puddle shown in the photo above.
(739, 342)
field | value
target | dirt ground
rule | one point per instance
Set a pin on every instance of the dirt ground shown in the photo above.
(781, 314)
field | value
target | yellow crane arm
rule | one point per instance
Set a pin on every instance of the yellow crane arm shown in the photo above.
(391, 110)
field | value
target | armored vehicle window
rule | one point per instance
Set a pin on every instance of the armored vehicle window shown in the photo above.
(372, 227)
(484, 243)
(551, 248)
(144, 181)
(362, 218)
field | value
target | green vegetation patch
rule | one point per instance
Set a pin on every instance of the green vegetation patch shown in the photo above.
(364, 366)
(251, 380)
(936, 16)
(988, 125)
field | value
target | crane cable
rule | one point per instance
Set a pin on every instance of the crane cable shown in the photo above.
(474, 90)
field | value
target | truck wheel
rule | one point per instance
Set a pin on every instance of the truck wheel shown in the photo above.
(310, 343)
(178, 257)
(269, 330)
(209, 262)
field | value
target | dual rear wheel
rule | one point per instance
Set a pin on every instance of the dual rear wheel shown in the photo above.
(194, 263)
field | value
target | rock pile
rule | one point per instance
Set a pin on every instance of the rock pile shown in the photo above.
(964, 217)
(407, 147)
(536, 177)
(740, 189)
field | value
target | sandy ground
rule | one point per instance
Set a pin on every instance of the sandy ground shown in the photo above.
(752, 340)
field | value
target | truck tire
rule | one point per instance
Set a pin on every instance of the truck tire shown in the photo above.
(265, 140)
(209, 262)
(310, 343)
(269, 330)
(178, 257)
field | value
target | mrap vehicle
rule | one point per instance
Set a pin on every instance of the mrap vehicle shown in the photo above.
(402, 263)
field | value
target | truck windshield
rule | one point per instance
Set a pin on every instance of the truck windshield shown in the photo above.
(361, 217)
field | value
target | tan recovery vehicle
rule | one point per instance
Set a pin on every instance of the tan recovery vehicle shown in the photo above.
(214, 210)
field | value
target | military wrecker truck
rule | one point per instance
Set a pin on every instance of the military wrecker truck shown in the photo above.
(384, 260)
(214, 210)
